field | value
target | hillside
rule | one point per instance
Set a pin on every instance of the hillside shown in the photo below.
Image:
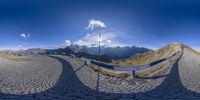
(7, 54)
(143, 58)
(149, 56)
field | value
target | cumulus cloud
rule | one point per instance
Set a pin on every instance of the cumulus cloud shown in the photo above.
(67, 43)
(95, 24)
(23, 35)
(108, 39)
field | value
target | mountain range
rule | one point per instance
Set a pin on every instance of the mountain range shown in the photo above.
(107, 53)
(112, 52)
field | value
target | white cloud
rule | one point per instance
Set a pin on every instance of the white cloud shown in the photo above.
(67, 43)
(87, 34)
(23, 35)
(95, 23)
(20, 46)
(108, 39)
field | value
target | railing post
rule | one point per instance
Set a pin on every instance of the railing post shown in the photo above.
(134, 74)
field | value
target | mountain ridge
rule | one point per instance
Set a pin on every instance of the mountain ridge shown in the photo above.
(143, 58)
(152, 55)
(111, 52)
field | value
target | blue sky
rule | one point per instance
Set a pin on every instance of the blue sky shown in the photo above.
(54, 23)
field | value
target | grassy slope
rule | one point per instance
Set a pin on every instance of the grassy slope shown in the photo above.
(14, 58)
(150, 56)
(139, 59)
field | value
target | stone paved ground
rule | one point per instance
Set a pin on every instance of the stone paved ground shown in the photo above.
(63, 78)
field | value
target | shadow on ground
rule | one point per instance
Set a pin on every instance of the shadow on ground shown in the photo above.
(69, 87)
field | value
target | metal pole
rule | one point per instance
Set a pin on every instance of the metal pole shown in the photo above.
(99, 47)
(133, 74)
(99, 58)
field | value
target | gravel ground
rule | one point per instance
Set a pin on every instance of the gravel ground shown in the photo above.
(62, 78)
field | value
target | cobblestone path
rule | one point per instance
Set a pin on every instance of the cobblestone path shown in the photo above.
(62, 78)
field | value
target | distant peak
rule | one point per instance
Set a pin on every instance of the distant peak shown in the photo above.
(176, 43)
(176, 46)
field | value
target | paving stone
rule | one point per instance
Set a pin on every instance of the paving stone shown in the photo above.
(56, 78)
